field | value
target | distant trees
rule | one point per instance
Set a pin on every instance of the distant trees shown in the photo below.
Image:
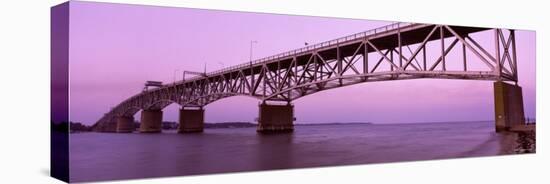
(79, 127)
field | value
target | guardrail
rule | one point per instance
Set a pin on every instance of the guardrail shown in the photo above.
(329, 43)
(315, 46)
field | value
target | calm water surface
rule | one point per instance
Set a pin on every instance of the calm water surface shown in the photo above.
(109, 156)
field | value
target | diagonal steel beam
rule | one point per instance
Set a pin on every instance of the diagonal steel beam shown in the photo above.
(403, 57)
(379, 61)
(422, 45)
(383, 55)
(444, 54)
(470, 47)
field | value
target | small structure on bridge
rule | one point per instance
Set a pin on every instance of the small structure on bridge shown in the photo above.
(148, 84)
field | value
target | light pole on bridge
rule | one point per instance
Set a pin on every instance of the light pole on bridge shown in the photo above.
(252, 69)
(251, 46)
(175, 72)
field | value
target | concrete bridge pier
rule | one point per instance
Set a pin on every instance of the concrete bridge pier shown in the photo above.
(191, 120)
(508, 106)
(276, 118)
(110, 127)
(151, 121)
(125, 124)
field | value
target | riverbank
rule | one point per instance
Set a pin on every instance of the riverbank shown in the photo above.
(520, 139)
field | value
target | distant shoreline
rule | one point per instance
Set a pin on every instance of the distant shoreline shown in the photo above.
(335, 123)
(249, 124)
(79, 127)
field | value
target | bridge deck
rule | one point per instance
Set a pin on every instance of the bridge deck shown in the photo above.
(384, 38)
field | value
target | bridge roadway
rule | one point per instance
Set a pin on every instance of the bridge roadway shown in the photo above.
(394, 52)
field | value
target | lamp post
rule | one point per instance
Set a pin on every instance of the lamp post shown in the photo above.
(252, 69)
(175, 72)
(251, 44)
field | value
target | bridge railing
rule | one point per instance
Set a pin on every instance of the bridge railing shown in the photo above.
(329, 43)
(313, 47)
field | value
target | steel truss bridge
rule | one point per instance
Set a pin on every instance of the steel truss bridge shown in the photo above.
(397, 51)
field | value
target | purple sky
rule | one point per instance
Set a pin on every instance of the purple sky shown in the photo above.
(115, 48)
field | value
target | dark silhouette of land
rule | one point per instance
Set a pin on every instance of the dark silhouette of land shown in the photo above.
(76, 127)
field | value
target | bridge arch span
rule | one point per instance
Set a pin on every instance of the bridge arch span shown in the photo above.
(211, 98)
(159, 104)
(130, 111)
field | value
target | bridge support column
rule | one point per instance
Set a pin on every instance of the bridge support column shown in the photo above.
(151, 121)
(508, 106)
(125, 124)
(191, 120)
(276, 118)
(110, 127)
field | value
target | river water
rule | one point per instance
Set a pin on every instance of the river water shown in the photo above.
(110, 156)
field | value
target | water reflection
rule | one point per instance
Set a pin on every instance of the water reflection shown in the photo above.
(275, 151)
